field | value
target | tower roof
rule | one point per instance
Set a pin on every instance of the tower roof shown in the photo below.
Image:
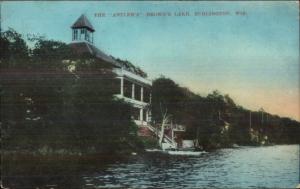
(83, 22)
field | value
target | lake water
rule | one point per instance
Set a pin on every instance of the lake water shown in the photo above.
(244, 167)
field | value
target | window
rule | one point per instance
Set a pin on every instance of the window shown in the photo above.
(127, 89)
(75, 34)
(144, 115)
(82, 31)
(137, 92)
(87, 36)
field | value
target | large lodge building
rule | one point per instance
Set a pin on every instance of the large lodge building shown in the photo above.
(133, 83)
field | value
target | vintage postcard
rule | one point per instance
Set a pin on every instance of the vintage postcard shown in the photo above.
(149, 94)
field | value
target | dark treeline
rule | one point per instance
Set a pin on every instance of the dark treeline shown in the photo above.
(216, 121)
(55, 101)
(52, 100)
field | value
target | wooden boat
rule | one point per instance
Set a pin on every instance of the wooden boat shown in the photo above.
(185, 153)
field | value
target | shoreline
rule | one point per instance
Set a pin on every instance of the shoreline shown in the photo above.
(32, 155)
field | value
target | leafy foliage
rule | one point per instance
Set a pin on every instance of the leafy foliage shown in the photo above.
(52, 99)
(130, 67)
(14, 50)
(216, 121)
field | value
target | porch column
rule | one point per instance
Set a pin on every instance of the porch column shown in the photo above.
(147, 112)
(122, 86)
(142, 93)
(132, 90)
(141, 115)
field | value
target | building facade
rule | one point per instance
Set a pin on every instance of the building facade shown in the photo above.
(134, 86)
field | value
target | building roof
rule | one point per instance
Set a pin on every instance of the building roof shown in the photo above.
(89, 49)
(83, 22)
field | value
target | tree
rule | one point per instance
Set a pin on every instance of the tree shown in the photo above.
(14, 50)
(168, 95)
(47, 105)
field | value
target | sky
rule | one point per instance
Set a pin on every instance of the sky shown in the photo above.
(253, 56)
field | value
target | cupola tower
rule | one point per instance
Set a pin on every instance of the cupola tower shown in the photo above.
(82, 30)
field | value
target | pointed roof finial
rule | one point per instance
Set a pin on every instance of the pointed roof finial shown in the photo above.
(83, 22)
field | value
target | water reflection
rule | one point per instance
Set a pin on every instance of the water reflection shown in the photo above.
(275, 166)
(246, 167)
